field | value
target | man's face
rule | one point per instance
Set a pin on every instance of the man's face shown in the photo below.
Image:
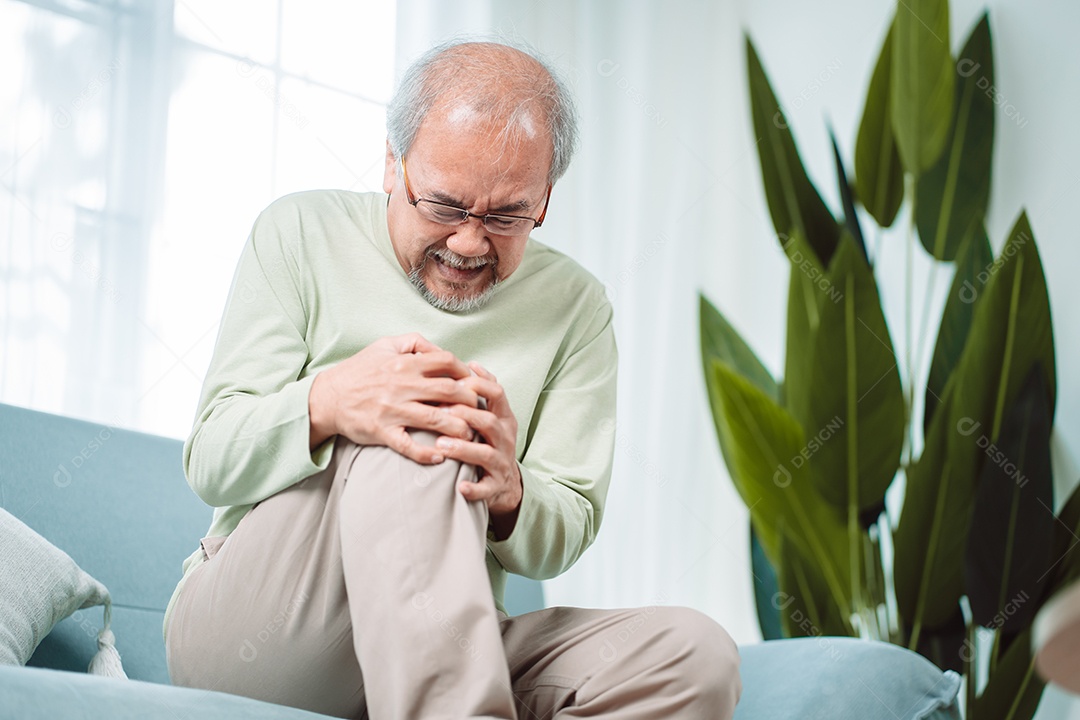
(459, 159)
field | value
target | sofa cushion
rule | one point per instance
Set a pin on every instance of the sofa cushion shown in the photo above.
(831, 678)
(39, 586)
(117, 502)
(39, 694)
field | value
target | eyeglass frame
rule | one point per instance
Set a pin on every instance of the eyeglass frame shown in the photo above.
(465, 214)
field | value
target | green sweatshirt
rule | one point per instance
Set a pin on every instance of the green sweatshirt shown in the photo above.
(317, 282)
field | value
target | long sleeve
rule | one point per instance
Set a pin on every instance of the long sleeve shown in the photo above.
(251, 434)
(566, 467)
(317, 282)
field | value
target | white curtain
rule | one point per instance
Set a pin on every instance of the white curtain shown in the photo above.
(139, 139)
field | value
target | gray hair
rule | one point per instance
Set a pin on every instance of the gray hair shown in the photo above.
(480, 74)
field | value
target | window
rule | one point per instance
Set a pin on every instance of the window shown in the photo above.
(139, 139)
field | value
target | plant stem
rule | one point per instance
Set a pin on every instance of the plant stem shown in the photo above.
(909, 181)
(926, 314)
(995, 648)
(924, 583)
(1023, 689)
(853, 446)
(969, 670)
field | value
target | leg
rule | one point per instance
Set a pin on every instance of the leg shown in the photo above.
(375, 558)
(643, 664)
(426, 545)
(266, 616)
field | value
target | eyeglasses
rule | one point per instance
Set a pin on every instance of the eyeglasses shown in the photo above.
(450, 215)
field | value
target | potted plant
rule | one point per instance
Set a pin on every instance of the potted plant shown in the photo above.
(958, 571)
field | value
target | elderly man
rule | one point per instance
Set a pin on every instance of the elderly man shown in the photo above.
(404, 405)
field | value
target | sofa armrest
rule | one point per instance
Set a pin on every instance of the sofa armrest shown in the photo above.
(833, 678)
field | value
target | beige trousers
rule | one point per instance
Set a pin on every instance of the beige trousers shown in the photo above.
(362, 592)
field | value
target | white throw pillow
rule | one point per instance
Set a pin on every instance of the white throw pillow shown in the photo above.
(40, 585)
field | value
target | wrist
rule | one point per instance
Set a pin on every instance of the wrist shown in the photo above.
(502, 524)
(320, 412)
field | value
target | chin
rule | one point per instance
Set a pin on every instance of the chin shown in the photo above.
(455, 299)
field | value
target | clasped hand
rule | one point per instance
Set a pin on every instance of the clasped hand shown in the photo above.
(403, 382)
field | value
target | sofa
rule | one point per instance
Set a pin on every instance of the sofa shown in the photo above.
(116, 502)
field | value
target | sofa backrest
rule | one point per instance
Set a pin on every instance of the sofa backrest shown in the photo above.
(117, 502)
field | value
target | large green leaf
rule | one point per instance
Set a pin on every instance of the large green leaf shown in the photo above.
(921, 82)
(1010, 544)
(809, 288)
(953, 194)
(931, 535)
(974, 259)
(856, 408)
(764, 439)
(805, 605)
(879, 177)
(946, 646)
(766, 590)
(1014, 688)
(794, 202)
(1010, 332)
(721, 341)
(851, 219)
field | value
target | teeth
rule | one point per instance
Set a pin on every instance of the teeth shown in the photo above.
(460, 263)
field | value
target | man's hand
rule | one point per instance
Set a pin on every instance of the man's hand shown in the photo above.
(393, 384)
(495, 458)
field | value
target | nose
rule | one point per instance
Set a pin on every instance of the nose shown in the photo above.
(469, 239)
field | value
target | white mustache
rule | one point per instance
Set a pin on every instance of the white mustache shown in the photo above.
(460, 262)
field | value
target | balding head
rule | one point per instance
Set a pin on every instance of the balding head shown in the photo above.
(488, 81)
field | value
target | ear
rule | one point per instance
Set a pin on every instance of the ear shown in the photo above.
(390, 174)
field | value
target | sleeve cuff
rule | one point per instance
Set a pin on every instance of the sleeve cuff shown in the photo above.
(310, 461)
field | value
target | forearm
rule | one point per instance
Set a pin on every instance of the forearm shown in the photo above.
(245, 448)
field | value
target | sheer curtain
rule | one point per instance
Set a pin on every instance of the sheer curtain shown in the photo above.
(138, 141)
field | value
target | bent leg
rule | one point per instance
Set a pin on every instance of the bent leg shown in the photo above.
(638, 664)
(377, 558)
(429, 638)
(266, 616)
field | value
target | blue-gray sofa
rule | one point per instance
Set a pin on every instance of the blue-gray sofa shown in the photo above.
(117, 503)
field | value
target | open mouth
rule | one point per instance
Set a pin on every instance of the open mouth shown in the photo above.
(458, 269)
(454, 282)
(457, 272)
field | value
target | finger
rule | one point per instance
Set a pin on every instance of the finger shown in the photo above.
(442, 364)
(484, 422)
(498, 498)
(437, 419)
(482, 455)
(483, 490)
(413, 343)
(491, 391)
(440, 391)
(481, 371)
(400, 441)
